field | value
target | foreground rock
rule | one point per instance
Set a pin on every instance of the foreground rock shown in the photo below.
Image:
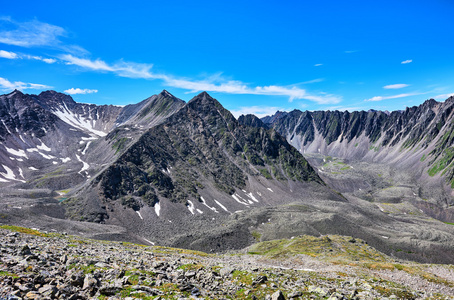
(35, 265)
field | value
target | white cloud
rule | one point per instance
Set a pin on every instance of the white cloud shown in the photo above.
(407, 61)
(46, 60)
(35, 34)
(211, 84)
(75, 91)
(49, 60)
(7, 85)
(396, 86)
(318, 65)
(316, 80)
(443, 96)
(7, 54)
(12, 55)
(350, 51)
(30, 34)
(259, 111)
(381, 98)
(123, 69)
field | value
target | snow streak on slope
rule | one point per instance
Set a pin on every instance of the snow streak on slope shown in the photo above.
(9, 174)
(85, 165)
(212, 208)
(19, 152)
(76, 120)
(157, 208)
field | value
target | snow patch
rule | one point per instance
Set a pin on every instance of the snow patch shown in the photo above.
(86, 147)
(140, 216)
(33, 168)
(76, 120)
(43, 147)
(220, 205)
(46, 156)
(9, 174)
(250, 195)
(7, 129)
(157, 208)
(148, 241)
(54, 162)
(199, 211)
(65, 160)
(212, 208)
(237, 199)
(85, 165)
(19, 152)
(191, 206)
(270, 190)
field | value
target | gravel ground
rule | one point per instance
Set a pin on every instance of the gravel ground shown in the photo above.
(54, 266)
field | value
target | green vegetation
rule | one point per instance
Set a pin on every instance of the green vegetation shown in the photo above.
(329, 247)
(8, 274)
(23, 230)
(266, 174)
(190, 267)
(257, 236)
(120, 144)
(443, 162)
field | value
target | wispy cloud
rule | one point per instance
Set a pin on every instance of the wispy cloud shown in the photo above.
(123, 69)
(318, 65)
(443, 96)
(259, 111)
(211, 84)
(351, 51)
(316, 80)
(75, 91)
(396, 86)
(46, 60)
(38, 34)
(35, 34)
(381, 98)
(13, 55)
(7, 54)
(7, 85)
(407, 61)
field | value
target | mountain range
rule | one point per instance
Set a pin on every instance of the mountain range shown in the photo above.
(192, 175)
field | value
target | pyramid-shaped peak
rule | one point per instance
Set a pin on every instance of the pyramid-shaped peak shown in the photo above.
(166, 93)
(16, 91)
(203, 97)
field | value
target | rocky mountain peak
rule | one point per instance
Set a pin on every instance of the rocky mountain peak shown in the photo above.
(52, 99)
(251, 120)
(166, 94)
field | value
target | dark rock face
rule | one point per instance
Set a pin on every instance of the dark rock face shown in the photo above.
(201, 147)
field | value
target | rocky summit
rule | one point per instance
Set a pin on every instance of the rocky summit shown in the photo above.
(39, 265)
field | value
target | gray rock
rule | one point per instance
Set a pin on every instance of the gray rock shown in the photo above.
(278, 295)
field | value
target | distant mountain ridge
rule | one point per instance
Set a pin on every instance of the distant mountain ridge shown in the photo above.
(419, 139)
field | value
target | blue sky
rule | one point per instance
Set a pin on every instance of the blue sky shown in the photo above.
(253, 56)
